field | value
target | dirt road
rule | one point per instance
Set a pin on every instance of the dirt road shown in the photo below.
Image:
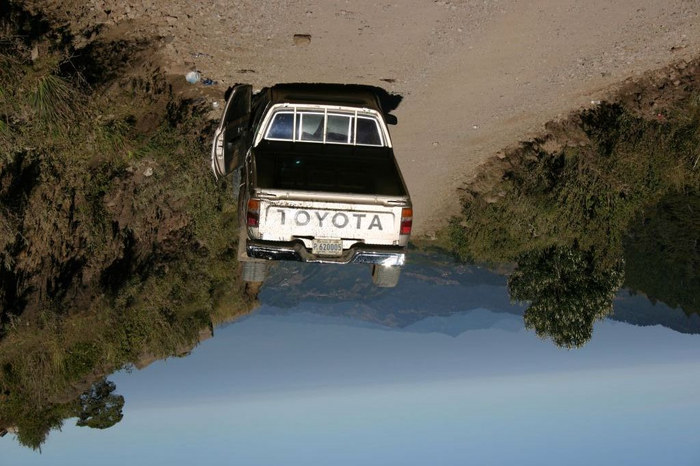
(476, 76)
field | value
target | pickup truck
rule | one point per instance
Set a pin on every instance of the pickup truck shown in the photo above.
(315, 178)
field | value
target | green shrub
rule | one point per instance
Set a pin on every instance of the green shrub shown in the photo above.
(584, 193)
(112, 267)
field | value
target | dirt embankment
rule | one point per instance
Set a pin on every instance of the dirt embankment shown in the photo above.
(654, 96)
(75, 215)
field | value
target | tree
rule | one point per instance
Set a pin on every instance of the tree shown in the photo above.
(567, 289)
(99, 408)
(34, 426)
(662, 251)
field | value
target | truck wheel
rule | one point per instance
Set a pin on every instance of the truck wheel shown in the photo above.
(385, 277)
(253, 288)
(254, 271)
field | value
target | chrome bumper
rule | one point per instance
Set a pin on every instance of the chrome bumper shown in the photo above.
(295, 251)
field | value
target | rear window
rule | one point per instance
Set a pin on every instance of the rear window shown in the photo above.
(329, 128)
(310, 127)
(282, 126)
(368, 132)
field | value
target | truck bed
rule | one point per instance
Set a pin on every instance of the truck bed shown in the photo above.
(327, 168)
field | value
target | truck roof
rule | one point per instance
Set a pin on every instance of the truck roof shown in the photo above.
(351, 95)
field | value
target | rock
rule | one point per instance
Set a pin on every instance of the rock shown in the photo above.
(192, 77)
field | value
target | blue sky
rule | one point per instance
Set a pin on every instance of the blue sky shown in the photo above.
(300, 389)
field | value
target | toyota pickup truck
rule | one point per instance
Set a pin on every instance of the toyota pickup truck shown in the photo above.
(315, 177)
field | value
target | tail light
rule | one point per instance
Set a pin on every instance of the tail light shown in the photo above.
(406, 221)
(253, 216)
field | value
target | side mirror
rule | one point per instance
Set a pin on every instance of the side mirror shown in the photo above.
(391, 119)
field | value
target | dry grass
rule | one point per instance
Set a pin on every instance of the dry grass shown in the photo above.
(182, 278)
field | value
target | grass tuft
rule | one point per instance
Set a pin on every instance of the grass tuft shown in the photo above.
(53, 99)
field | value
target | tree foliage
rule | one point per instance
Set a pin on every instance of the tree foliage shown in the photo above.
(662, 251)
(99, 408)
(567, 290)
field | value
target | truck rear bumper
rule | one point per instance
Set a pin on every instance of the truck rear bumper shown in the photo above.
(295, 251)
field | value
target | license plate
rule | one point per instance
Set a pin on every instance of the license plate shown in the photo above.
(327, 247)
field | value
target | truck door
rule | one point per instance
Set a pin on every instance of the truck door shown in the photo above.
(230, 139)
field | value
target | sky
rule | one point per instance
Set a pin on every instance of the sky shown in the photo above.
(299, 389)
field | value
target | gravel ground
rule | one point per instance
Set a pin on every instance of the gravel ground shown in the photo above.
(476, 76)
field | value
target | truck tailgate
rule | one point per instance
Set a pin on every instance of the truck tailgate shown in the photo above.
(328, 168)
(286, 220)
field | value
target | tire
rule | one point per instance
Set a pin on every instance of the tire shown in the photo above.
(252, 289)
(385, 277)
(254, 271)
